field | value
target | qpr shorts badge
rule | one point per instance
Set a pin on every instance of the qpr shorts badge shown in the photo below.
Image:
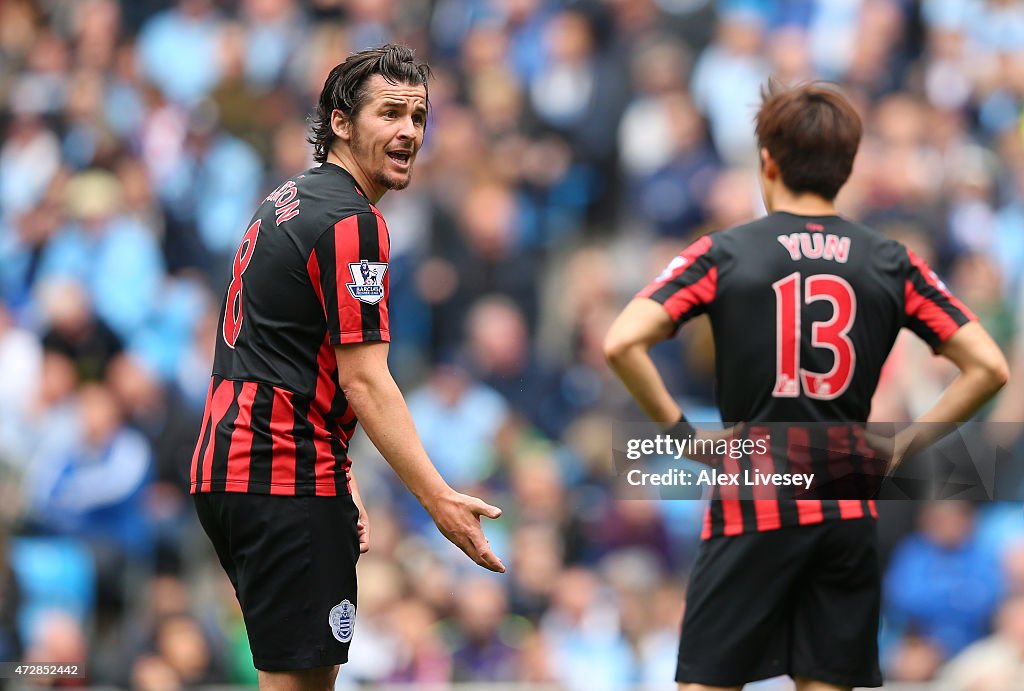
(367, 281)
(343, 620)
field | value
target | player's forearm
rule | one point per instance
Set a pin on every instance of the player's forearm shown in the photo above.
(626, 346)
(983, 371)
(381, 409)
(634, 367)
(961, 400)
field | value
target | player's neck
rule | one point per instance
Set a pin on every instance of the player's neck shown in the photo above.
(803, 204)
(364, 181)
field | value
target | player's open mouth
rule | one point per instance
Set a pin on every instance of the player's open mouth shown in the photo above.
(400, 157)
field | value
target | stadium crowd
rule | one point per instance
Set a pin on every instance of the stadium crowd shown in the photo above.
(571, 150)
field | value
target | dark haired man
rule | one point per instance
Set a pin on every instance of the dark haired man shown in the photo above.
(301, 355)
(805, 307)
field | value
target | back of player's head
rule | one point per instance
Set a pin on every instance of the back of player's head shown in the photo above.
(346, 87)
(812, 132)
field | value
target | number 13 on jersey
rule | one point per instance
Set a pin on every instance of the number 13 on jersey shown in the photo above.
(832, 334)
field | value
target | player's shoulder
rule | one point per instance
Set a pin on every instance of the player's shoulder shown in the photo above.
(885, 252)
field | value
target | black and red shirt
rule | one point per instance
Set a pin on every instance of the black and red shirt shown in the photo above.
(310, 273)
(805, 311)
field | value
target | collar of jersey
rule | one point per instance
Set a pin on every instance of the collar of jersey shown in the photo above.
(327, 165)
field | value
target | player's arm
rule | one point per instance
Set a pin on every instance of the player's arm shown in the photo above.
(348, 273)
(983, 372)
(681, 292)
(952, 330)
(627, 347)
(381, 409)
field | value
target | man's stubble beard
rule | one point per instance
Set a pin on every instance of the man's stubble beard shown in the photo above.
(379, 176)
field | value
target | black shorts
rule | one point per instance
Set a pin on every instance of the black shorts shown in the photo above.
(802, 601)
(292, 561)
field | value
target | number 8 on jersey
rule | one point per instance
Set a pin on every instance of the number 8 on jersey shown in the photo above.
(233, 311)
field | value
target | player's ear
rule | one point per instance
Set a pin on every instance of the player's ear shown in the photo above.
(768, 165)
(341, 125)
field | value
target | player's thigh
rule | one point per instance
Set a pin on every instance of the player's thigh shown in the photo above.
(317, 679)
(835, 631)
(805, 684)
(736, 627)
(295, 558)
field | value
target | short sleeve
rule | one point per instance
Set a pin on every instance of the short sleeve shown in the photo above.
(930, 309)
(688, 284)
(348, 269)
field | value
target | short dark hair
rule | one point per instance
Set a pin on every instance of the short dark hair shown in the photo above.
(812, 132)
(345, 88)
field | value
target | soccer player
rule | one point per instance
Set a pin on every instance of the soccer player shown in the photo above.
(805, 306)
(301, 356)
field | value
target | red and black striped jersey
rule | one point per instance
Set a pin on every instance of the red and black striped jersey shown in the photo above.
(804, 311)
(310, 273)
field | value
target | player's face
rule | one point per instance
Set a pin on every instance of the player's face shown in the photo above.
(387, 133)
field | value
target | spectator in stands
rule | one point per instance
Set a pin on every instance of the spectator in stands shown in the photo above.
(941, 583)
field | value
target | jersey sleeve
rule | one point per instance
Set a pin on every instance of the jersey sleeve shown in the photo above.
(930, 309)
(348, 269)
(688, 284)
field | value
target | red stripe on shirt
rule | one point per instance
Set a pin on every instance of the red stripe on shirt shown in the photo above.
(809, 511)
(313, 269)
(842, 471)
(194, 472)
(766, 501)
(384, 243)
(937, 319)
(700, 293)
(689, 256)
(219, 405)
(871, 469)
(239, 453)
(282, 435)
(732, 512)
(346, 251)
(705, 532)
(319, 411)
(851, 508)
(799, 453)
(932, 280)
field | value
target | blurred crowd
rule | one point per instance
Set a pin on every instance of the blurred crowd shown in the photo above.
(572, 149)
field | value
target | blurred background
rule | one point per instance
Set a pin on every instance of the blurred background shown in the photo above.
(573, 148)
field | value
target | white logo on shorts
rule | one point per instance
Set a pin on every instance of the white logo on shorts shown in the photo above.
(342, 620)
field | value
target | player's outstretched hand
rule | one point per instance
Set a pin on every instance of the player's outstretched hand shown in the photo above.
(458, 518)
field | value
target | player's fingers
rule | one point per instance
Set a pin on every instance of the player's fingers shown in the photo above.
(489, 560)
(479, 550)
(364, 537)
(485, 509)
(486, 558)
